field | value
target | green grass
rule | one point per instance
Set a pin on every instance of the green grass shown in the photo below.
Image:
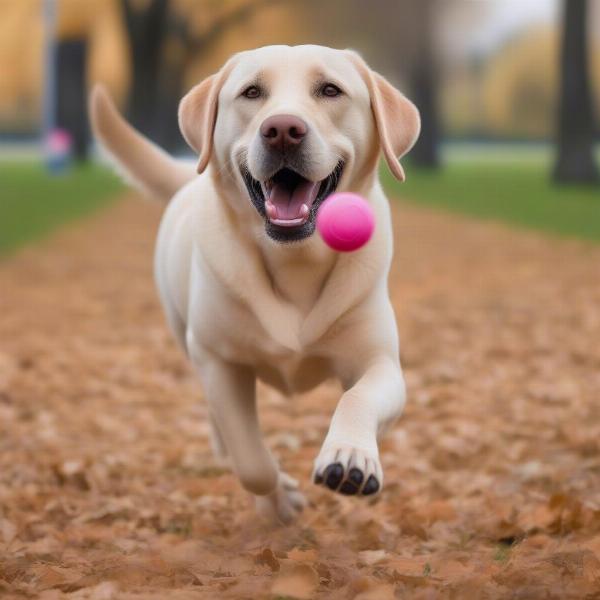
(518, 192)
(33, 202)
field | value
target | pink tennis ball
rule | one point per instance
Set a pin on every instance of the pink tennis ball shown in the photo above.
(345, 221)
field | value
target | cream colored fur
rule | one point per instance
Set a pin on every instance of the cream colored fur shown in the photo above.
(245, 307)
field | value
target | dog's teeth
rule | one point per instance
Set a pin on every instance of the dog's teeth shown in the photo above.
(304, 210)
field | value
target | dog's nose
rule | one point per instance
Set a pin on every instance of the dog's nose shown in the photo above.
(283, 131)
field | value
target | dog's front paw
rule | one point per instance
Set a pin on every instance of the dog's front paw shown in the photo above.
(282, 506)
(348, 470)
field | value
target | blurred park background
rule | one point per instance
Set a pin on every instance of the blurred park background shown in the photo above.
(509, 92)
(108, 487)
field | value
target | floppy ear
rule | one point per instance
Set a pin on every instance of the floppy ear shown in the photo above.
(396, 117)
(198, 115)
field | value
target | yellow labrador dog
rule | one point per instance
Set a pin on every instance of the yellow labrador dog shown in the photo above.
(248, 289)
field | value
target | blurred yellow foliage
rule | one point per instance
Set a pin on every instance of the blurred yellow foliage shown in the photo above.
(511, 92)
(520, 83)
(21, 65)
(22, 51)
(101, 23)
(514, 91)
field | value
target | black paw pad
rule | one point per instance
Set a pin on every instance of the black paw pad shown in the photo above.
(333, 475)
(356, 476)
(348, 489)
(352, 483)
(371, 487)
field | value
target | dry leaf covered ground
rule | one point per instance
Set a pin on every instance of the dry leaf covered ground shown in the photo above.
(108, 489)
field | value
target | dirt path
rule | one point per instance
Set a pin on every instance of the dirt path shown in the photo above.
(108, 489)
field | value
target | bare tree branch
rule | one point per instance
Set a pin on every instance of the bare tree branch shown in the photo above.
(238, 15)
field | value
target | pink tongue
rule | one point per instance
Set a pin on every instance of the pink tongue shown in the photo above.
(288, 204)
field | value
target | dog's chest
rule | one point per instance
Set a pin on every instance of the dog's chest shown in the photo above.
(276, 365)
(299, 285)
(298, 373)
(231, 330)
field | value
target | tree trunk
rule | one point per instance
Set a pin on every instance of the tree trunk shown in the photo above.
(424, 94)
(71, 99)
(423, 86)
(146, 27)
(575, 162)
(162, 46)
(179, 49)
(167, 133)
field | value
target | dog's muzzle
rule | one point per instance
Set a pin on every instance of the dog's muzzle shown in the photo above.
(288, 201)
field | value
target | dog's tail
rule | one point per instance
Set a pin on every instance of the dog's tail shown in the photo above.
(139, 161)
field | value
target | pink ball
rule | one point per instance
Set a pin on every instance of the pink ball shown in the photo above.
(345, 221)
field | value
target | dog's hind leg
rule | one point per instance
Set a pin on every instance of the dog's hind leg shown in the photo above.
(230, 391)
(217, 442)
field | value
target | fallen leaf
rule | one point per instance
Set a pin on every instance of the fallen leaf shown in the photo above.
(309, 555)
(296, 581)
(372, 557)
(381, 591)
(8, 530)
(266, 557)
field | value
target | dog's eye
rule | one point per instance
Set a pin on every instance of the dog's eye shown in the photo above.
(330, 90)
(252, 92)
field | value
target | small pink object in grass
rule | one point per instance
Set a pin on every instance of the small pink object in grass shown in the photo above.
(345, 221)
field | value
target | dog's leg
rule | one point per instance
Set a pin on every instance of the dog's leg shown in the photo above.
(217, 443)
(231, 395)
(349, 458)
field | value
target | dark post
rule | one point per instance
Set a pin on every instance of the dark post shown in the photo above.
(71, 99)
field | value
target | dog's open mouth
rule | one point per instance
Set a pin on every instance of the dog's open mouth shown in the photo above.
(289, 202)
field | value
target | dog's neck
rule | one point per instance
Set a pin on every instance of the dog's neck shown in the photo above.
(297, 271)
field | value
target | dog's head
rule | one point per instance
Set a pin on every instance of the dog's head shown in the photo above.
(293, 124)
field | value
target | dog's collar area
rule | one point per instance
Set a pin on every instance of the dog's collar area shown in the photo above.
(288, 202)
